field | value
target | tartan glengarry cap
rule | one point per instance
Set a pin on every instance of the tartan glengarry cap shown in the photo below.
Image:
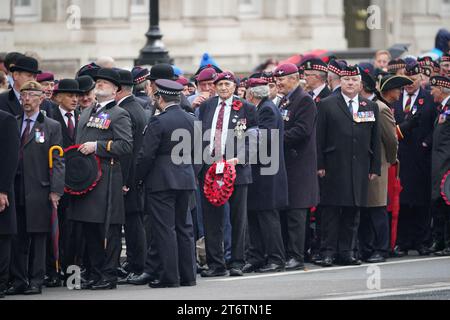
(315, 65)
(31, 86)
(336, 66)
(440, 81)
(168, 87)
(350, 71)
(413, 69)
(285, 70)
(395, 65)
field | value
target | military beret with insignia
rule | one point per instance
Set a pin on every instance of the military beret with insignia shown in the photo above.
(285, 70)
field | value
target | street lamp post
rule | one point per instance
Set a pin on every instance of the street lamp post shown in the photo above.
(154, 51)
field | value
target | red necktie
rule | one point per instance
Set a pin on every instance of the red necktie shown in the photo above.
(70, 126)
(218, 134)
(24, 139)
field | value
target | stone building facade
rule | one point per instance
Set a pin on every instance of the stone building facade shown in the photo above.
(239, 34)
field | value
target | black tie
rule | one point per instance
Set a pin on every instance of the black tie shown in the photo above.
(311, 93)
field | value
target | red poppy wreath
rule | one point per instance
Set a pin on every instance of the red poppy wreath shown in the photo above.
(218, 188)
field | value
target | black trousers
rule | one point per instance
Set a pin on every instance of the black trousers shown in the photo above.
(152, 264)
(5, 260)
(312, 232)
(414, 223)
(103, 262)
(293, 223)
(339, 229)
(373, 232)
(213, 219)
(441, 223)
(136, 241)
(265, 238)
(173, 235)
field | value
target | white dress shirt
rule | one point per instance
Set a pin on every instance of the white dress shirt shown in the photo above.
(66, 119)
(226, 120)
(318, 90)
(355, 102)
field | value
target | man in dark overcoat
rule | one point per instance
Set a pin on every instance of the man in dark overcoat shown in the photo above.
(106, 131)
(348, 157)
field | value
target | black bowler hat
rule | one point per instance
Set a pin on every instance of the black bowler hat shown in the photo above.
(445, 188)
(110, 75)
(161, 71)
(68, 86)
(394, 82)
(126, 78)
(86, 83)
(11, 59)
(90, 69)
(82, 172)
(168, 87)
(25, 64)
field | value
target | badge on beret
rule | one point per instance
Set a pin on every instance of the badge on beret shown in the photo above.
(433, 81)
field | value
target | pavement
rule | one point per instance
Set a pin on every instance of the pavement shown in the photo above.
(408, 278)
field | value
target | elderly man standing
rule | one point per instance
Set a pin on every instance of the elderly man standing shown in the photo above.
(104, 130)
(300, 116)
(36, 192)
(227, 119)
(9, 157)
(268, 193)
(316, 72)
(348, 157)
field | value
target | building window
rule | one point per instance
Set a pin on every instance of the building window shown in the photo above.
(26, 8)
(249, 8)
(139, 7)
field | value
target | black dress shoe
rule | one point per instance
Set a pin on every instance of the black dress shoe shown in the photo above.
(294, 264)
(140, 280)
(399, 252)
(125, 280)
(443, 253)
(15, 290)
(437, 246)
(104, 285)
(200, 268)
(249, 268)
(327, 261)
(236, 272)
(87, 284)
(2, 293)
(214, 273)
(271, 267)
(316, 258)
(423, 251)
(32, 290)
(156, 284)
(376, 258)
(351, 261)
(53, 282)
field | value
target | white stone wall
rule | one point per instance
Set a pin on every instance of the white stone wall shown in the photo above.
(238, 34)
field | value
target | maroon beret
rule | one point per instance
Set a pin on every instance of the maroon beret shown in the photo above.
(183, 81)
(285, 70)
(256, 82)
(45, 76)
(227, 75)
(207, 74)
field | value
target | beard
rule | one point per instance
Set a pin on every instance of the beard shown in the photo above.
(103, 93)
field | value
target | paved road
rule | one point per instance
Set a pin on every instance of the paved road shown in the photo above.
(406, 278)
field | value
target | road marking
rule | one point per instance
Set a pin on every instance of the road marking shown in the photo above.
(289, 273)
(401, 292)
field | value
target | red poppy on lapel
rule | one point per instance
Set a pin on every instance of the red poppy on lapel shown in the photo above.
(237, 105)
(421, 101)
(317, 100)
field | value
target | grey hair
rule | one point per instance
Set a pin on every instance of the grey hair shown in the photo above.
(260, 92)
(127, 88)
(333, 76)
(141, 86)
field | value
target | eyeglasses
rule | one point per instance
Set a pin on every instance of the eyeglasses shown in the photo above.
(25, 95)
